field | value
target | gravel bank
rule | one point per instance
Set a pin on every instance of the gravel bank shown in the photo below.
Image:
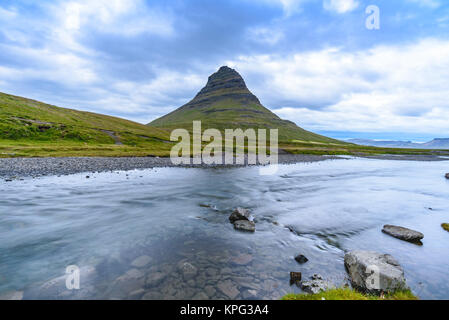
(13, 168)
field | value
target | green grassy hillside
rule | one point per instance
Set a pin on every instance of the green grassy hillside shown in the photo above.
(29, 127)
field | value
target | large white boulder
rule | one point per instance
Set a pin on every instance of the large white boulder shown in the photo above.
(374, 272)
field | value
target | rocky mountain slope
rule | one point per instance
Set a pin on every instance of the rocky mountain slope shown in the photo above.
(226, 103)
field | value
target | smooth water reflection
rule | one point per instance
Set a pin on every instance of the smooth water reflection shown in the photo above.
(176, 221)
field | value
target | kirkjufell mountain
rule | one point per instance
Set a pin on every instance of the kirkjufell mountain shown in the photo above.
(227, 103)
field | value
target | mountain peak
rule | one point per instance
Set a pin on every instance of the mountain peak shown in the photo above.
(224, 84)
(226, 103)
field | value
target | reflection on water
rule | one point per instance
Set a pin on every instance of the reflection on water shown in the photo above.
(165, 234)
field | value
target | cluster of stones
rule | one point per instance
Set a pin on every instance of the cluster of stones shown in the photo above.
(361, 265)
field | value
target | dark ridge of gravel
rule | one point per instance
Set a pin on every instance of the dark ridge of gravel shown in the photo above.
(14, 168)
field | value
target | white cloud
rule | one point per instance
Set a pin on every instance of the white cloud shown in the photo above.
(7, 14)
(268, 36)
(427, 3)
(385, 88)
(125, 17)
(340, 6)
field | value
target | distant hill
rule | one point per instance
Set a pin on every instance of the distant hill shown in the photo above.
(437, 143)
(226, 103)
(22, 118)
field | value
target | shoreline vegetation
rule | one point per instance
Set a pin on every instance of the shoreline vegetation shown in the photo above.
(351, 294)
(29, 148)
(30, 129)
(445, 226)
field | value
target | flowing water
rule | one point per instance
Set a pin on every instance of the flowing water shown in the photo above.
(177, 219)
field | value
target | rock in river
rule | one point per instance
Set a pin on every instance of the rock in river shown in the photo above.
(295, 277)
(242, 259)
(403, 233)
(187, 270)
(155, 278)
(240, 214)
(229, 289)
(13, 295)
(316, 285)
(245, 225)
(374, 272)
(141, 261)
(447, 175)
(301, 259)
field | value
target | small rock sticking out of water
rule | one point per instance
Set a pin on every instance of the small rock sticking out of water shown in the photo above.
(316, 285)
(245, 225)
(445, 226)
(403, 233)
(240, 214)
(295, 277)
(447, 175)
(301, 259)
(242, 220)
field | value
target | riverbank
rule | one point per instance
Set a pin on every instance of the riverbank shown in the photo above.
(350, 294)
(16, 168)
(165, 233)
(12, 168)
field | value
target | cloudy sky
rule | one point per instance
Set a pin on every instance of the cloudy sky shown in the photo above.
(311, 61)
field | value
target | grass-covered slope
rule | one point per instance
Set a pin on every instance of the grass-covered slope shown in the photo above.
(32, 128)
(226, 103)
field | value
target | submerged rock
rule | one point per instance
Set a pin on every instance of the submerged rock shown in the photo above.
(154, 279)
(249, 294)
(229, 289)
(141, 261)
(242, 259)
(13, 295)
(403, 233)
(301, 259)
(245, 225)
(187, 270)
(130, 281)
(56, 288)
(200, 296)
(316, 285)
(373, 272)
(447, 175)
(240, 214)
(136, 295)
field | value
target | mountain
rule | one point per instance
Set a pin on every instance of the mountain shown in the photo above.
(30, 123)
(226, 103)
(437, 143)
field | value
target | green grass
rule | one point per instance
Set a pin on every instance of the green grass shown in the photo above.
(30, 128)
(231, 114)
(349, 294)
(320, 148)
(445, 226)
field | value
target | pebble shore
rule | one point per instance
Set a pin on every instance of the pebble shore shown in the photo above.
(13, 168)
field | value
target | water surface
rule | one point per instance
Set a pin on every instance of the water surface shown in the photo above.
(179, 216)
